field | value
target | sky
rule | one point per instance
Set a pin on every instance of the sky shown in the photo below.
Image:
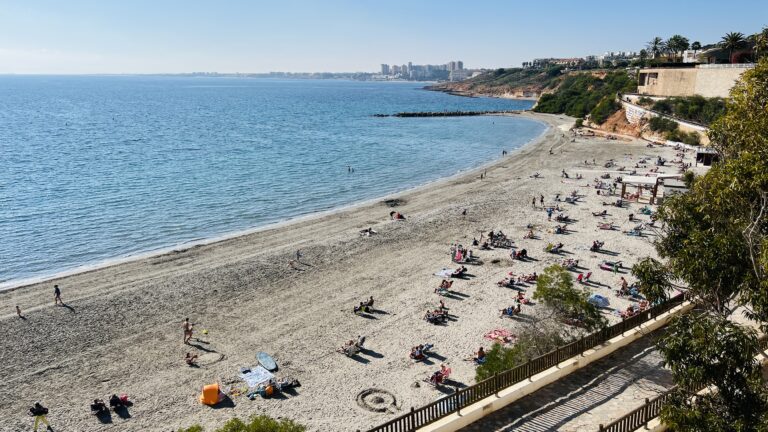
(173, 36)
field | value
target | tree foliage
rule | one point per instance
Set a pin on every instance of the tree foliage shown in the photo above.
(713, 238)
(654, 279)
(260, 423)
(709, 350)
(676, 45)
(694, 108)
(733, 41)
(661, 124)
(534, 341)
(554, 288)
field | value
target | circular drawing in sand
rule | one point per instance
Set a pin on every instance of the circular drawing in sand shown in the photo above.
(377, 400)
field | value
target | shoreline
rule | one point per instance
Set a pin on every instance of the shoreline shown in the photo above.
(121, 329)
(15, 284)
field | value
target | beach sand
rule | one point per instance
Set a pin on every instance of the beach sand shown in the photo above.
(122, 329)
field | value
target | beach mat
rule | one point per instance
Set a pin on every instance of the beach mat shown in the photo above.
(444, 273)
(256, 376)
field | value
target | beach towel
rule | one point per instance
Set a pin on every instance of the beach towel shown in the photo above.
(256, 376)
(500, 335)
(444, 273)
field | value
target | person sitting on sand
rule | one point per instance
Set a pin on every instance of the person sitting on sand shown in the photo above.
(370, 302)
(479, 357)
(459, 272)
(99, 407)
(396, 216)
(446, 284)
(417, 352)
(191, 359)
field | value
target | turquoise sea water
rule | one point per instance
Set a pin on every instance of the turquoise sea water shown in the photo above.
(96, 168)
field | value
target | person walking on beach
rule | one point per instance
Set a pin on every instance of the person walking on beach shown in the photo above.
(18, 312)
(541, 200)
(57, 296)
(533, 202)
(549, 213)
(298, 255)
(39, 412)
(187, 326)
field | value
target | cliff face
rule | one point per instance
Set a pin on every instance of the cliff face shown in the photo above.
(505, 83)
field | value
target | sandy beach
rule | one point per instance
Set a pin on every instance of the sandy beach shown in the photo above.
(121, 331)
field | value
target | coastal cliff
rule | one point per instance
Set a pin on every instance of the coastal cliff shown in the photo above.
(513, 83)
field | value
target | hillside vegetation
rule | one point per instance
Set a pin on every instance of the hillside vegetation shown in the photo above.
(582, 94)
(694, 108)
(512, 81)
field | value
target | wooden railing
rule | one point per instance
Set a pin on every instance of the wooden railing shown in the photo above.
(652, 408)
(462, 398)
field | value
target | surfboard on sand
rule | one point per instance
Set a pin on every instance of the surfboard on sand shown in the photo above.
(266, 361)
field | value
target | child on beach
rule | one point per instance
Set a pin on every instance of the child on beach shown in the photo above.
(57, 296)
(187, 326)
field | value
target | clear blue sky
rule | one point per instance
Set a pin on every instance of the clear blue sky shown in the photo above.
(143, 36)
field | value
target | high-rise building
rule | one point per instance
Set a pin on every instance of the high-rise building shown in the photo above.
(460, 65)
(404, 70)
(385, 69)
(451, 66)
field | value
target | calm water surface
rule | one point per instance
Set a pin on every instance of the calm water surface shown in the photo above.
(96, 168)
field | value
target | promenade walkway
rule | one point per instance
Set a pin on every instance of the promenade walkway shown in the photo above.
(599, 393)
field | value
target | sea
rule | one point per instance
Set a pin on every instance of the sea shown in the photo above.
(95, 169)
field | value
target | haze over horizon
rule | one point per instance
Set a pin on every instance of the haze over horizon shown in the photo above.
(91, 37)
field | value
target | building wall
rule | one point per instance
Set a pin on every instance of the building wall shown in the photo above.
(667, 82)
(706, 80)
(716, 82)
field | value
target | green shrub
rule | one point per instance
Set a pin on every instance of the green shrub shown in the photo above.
(534, 341)
(694, 108)
(645, 101)
(579, 94)
(661, 124)
(604, 109)
(691, 138)
(579, 123)
(260, 423)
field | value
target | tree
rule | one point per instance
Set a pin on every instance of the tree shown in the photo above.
(656, 46)
(260, 423)
(696, 45)
(643, 57)
(732, 41)
(677, 44)
(761, 43)
(709, 350)
(554, 288)
(535, 340)
(654, 279)
(714, 239)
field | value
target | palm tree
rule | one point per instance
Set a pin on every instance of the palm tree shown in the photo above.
(761, 43)
(732, 41)
(656, 46)
(696, 45)
(677, 44)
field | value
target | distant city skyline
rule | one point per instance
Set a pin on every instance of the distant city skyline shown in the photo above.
(88, 36)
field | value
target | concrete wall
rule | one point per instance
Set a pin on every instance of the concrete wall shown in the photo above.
(704, 80)
(635, 114)
(505, 397)
(716, 82)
